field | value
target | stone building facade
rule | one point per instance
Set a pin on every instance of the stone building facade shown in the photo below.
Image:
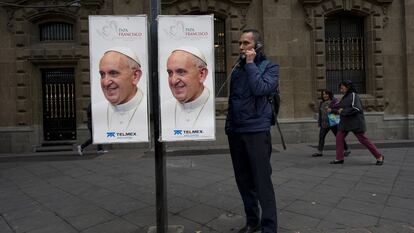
(44, 59)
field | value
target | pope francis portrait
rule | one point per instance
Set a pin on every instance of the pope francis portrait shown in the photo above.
(124, 112)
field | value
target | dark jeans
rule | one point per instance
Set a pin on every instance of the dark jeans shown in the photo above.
(250, 154)
(89, 141)
(322, 134)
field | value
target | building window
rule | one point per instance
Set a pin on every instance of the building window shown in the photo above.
(56, 31)
(220, 57)
(344, 46)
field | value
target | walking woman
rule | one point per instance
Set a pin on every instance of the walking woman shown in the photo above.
(352, 120)
(327, 104)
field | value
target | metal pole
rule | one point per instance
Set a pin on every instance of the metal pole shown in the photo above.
(159, 149)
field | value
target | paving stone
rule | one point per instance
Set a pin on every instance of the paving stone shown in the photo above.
(178, 204)
(169, 229)
(349, 177)
(400, 202)
(311, 209)
(34, 221)
(326, 226)
(398, 214)
(300, 184)
(327, 199)
(329, 189)
(16, 203)
(71, 185)
(189, 226)
(88, 219)
(351, 218)
(227, 222)
(277, 180)
(386, 226)
(71, 209)
(341, 183)
(296, 193)
(23, 212)
(201, 213)
(361, 186)
(77, 172)
(282, 201)
(4, 227)
(225, 187)
(372, 209)
(115, 226)
(367, 196)
(293, 221)
(143, 217)
(403, 190)
(60, 227)
(120, 205)
(223, 202)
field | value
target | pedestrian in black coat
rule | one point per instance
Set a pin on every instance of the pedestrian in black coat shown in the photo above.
(352, 120)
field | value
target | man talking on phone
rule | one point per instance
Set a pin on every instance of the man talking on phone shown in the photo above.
(248, 125)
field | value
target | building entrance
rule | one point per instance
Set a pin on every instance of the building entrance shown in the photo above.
(58, 92)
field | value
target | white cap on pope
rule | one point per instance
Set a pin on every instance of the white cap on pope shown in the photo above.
(125, 51)
(193, 50)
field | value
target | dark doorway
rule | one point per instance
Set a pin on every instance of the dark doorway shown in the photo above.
(59, 118)
(344, 41)
(220, 73)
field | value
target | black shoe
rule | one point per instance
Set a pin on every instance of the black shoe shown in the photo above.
(337, 161)
(380, 162)
(317, 155)
(346, 153)
(250, 229)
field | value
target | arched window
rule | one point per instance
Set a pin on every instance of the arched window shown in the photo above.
(56, 31)
(344, 46)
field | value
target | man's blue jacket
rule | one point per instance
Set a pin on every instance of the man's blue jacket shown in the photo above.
(249, 109)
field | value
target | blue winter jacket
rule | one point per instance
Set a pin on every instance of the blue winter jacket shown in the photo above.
(249, 109)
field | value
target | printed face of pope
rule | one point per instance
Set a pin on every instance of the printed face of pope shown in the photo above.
(119, 77)
(186, 75)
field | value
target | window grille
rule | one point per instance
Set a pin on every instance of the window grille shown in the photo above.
(56, 31)
(344, 46)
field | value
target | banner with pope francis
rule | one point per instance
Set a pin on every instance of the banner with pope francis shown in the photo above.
(186, 77)
(119, 78)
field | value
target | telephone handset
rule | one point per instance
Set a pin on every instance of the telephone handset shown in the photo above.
(241, 59)
(257, 49)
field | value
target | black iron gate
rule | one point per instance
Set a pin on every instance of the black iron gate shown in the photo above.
(344, 41)
(59, 119)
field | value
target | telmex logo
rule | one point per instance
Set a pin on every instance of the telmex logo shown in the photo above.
(178, 132)
(110, 134)
(186, 133)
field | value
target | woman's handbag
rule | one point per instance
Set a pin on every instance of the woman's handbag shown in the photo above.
(333, 119)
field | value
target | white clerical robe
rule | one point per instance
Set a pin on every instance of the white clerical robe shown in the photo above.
(126, 122)
(197, 116)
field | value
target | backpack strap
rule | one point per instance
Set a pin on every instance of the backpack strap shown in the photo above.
(274, 96)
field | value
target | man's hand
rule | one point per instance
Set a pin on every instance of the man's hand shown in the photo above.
(250, 55)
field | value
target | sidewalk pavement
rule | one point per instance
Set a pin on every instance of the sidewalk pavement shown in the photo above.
(115, 192)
